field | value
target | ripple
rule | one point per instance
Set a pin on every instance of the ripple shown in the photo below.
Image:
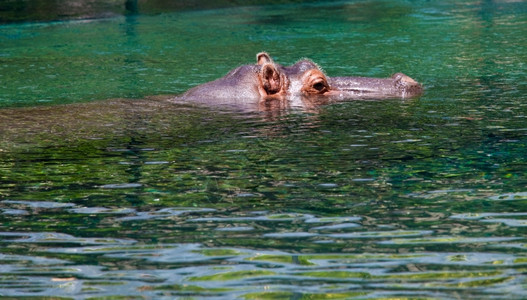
(510, 197)
(477, 216)
(39, 204)
(407, 141)
(380, 234)
(508, 222)
(437, 193)
(177, 253)
(328, 185)
(368, 260)
(290, 235)
(236, 150)
(222, 271)
(54, 237)
(511, 245)
(337, 226)
(165, 213)
(236, 228)
(233, 275)
(15, 212)
(362, 179)
(449, 240)
(271, 217)
(243, 195)
(121, 186)
(77, 270)
(333, 219)
(470, 258)
(30, 260)
(161, 162)
(102, 210)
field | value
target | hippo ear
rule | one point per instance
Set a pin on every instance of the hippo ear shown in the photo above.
(270, 79)
(263, 58)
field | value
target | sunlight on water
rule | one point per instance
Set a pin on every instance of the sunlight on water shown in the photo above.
(106, 196)
(199, 270)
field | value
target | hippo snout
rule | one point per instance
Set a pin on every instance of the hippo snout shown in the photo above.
(407, 86)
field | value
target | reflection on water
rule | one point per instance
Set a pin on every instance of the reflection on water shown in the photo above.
(421, 198)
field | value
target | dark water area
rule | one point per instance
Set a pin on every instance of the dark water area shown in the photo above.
(12, 11)
(110, 190)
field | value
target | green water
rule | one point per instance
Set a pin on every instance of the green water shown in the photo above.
(143, 198)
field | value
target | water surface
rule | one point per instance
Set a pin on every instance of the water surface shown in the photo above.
(137, 196)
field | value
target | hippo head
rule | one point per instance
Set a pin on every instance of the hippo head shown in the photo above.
(305, 78)
(267, 80)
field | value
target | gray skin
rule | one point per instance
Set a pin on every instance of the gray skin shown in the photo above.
(303, 83)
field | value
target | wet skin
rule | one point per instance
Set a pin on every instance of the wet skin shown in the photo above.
(303, 82)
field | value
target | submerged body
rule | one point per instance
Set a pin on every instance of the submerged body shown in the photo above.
(267, 81)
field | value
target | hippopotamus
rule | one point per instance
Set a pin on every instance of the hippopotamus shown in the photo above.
(269, 81)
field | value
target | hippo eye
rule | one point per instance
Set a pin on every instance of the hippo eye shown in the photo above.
(320, 86)
(314, 82)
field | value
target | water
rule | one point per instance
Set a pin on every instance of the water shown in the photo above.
(422, 198)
